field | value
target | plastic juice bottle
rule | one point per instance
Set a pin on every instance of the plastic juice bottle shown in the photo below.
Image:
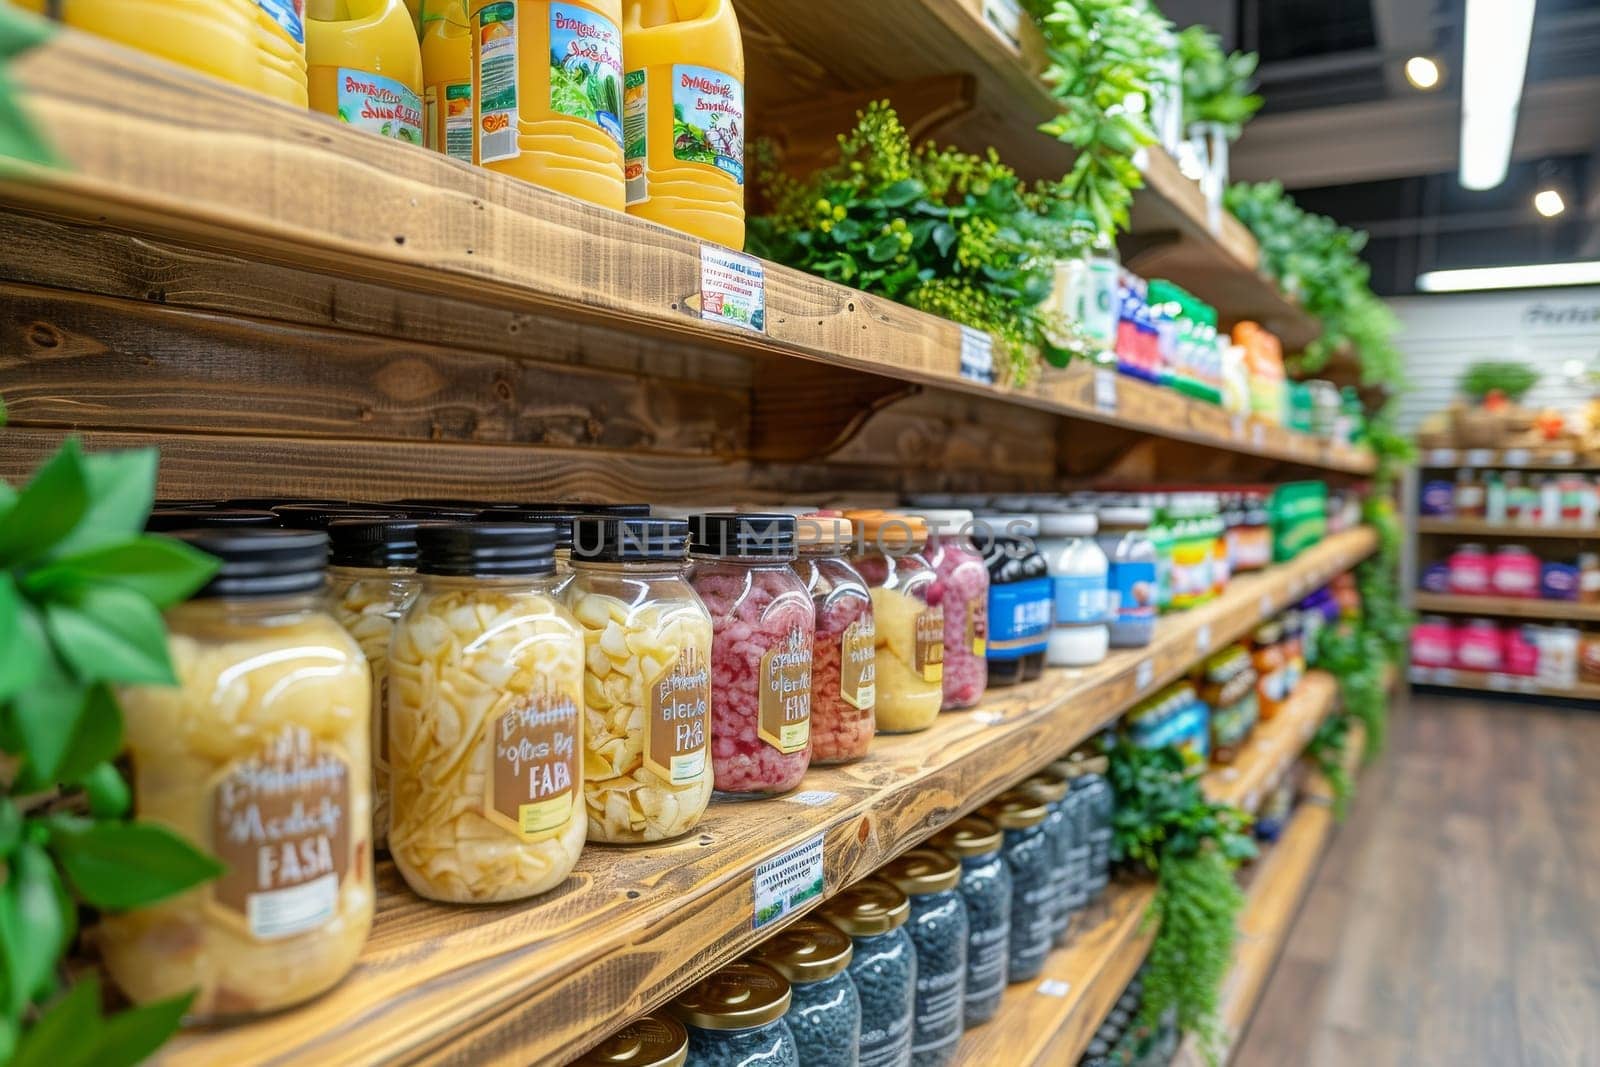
(214, 36)
(683, 116)
(366, 66)
(447, 78)
(416, 9)
(281, 38)
(548, 94)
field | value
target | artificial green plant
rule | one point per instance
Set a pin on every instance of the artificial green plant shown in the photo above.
(1216, 84)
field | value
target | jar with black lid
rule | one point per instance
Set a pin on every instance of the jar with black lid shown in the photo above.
(172, 520)
(1021, 607)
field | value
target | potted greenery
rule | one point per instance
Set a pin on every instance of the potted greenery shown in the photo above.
(1495, 390)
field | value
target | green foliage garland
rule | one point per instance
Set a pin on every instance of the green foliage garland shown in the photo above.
(1326, 750)
(1216, 85)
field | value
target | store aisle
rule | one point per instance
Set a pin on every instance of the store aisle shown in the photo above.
(1456, 917)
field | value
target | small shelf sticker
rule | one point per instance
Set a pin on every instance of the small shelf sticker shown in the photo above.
(1516, 457)
(1004, 17)
(784, 883)
(1054, 987)
(812, 798)
(1266, 605)
(1143, 675)
(1236, 427)
(1480, 457)
(1105, 391)
(733, 289)
(977, 356)
(1442, 457)
(1258, 435)
(1202, 639)
(1564, 458)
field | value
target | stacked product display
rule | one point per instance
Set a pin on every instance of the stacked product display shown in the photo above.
(1548, 501)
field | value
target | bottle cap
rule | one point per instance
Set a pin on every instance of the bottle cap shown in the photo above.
(166, 520)
(261, 563)
(487, 550)
(807, 951)
(373, 543)
(869, 907)
(1015, 810)
(742, 995)
(653, 1041)
(740, 535)
(922, 871)
(619, 539)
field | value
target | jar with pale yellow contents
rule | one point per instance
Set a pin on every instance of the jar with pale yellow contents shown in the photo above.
(910, 631)
(372, 580)
(486, 719)
(259, 756)
(647, 684)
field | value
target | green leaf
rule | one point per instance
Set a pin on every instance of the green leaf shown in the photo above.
(116, 866)
(110, 634)
(33, 928)
(161, 569)
(11, 640)
(46, 718)
(68, 1034)
(128, 1037)
(885, 248)
(96, 737)
(122, 486)
(48, 508)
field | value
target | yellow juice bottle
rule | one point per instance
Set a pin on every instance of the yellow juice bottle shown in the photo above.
(365, 66)
(415, 7)
(547, 94)
(447, 78)
(281, 38)
(683, 116)
(215, 36)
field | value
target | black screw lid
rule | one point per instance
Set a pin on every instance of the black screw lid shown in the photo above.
(432, 512)
(261, 563)
(465, 550)
(267, 503)
(616, 539)
(758, 536)
(169, 519)
(560, 519)
(576, 507)
(375, 543)
(320, 516)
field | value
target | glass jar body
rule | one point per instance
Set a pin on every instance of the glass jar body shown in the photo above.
(825, 1018)
(1033, 901)
(910, 640)
(986, 889)
(772, 1045)
(844, 661)
(939, 931)
(961, 589)
(884, 970)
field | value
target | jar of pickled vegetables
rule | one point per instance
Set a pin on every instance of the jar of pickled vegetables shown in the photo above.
(843, 667)
(763, 625)
(910, 630)
(372, 580)
(486, 678)
(735, 1018)
(651, 1041)
(961, 588)
(258, 755)
(647, 680)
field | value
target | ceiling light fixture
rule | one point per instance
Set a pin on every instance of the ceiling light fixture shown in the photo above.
(1527, 276)
(1548, 203)
(1495, 61)
(1422, 73)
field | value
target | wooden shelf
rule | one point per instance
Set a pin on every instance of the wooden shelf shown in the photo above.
(1510, 607)
(1499, 683)
(1481, 528)
(1050, 1020)
(1274, 746)
(541, 981)
(1544, 459)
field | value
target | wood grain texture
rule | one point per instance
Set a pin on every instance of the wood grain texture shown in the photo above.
(501, 985)
(1507, 607)
(1274, 745)
(1514, 531)
(1049, 1021)
(1500, 683)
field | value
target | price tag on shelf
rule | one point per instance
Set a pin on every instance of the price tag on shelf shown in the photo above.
(1480, 457)
(977, 356)
(1440, 457)
(1252, 800)
(1143, 675)
(1516, 457)
(1004, 17)
(1105, 391)
(1564, 458)
(1236, 427)
(1526, 685)
(1258, 435)
(784, 883)
(1444, 676)
(1266, 606)
(812, 798)
(1054, 987)
(1202, 639)
(733, 289)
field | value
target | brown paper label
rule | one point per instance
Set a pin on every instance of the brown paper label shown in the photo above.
(928, 652)
(858, 664)
(978, 627)
(785, 717)
(680, 719)
(534, 757)
(280, 821)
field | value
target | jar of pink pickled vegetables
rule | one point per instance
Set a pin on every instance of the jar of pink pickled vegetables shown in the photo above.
(843, 665)
(763, 627)
(961, 587)
(910, 630)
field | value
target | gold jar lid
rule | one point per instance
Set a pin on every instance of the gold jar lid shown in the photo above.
(1065, 768)
(742, 995)
(1015, 810)
(652, 1041)
(889, 530)
(1049, 785)
(807, 951)
(971, 836)
(922, 871)
(868, 907)
(816, 531)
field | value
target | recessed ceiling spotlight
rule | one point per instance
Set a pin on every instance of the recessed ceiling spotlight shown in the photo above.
(1548, 203)
(1422, 73)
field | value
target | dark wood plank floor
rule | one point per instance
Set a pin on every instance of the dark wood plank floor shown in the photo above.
(1455, 919)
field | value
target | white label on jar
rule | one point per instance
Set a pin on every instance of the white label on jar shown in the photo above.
(784, 883)
(1105, 391)
(286, 912)
(977, 355)
(733, 289)
(1054, 987)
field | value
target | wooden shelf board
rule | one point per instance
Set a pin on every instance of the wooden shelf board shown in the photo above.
(1513, 607)
(1049, 1021)
(541, 981)
(1274, 745)
(1481, 528)
(1489, 682)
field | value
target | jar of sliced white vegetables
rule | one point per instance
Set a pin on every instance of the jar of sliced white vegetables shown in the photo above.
(647, 683)
(486, 719)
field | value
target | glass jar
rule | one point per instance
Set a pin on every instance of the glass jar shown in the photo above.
(825, 1013)
(647, 678)
(961, 588)
(1068, 872)
(735, 1018)
(1028, 856)
(883, 967)
(372, 580)
(1125, 539)
(939, 931)
(1092, 813)
(1078, 576)
(269, 718)
(486, 719)
(651, 1041)
(986, 888)
(1021, 607)
(910, 629)
(844, 661)
(763, 625)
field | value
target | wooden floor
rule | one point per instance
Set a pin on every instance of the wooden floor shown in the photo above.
(1455, 920)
